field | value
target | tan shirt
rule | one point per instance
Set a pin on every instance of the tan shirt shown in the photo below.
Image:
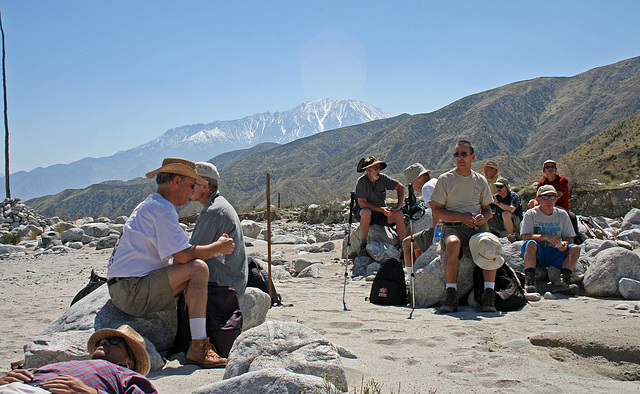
(462, 193)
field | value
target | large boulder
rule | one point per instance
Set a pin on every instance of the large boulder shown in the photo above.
(288, 345)
(250, 228)
(270, 381)
(608, 267)
(313, 271)
(97, 230)
(430, 280)
(254, 304)
(73, 234)
(629, 288)
(376, 233)
(382, 251)
(631, 220)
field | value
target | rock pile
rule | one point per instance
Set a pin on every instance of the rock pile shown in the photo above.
(16, 216)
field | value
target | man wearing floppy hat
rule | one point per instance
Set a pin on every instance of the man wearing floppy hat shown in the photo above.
(461, 199)
(154, 261)
(420, 180)
(217, 218)
(370, 194)
(548, 235)
(491, 172)
(508, 213)
(119, 361)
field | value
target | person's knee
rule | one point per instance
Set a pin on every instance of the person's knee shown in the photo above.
(198, 268)
(574, 250)
(453, 244)
(532, 249)
(506, 215)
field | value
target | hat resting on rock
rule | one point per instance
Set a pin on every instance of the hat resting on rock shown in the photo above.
(485, 250)
(368, 162)
(412, 172)
(180, 167)
(134, 341)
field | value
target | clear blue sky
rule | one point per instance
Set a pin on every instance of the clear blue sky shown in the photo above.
(90, 78)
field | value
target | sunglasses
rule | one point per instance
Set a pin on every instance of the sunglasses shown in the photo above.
(461, 154)
(116, 341)
(499, 186)
(549, 167)
(548, 196)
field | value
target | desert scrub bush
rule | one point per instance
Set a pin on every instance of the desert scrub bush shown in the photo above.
(11, 238)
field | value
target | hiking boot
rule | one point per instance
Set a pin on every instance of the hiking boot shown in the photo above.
(567, 286)
(202, 353)
(363, 250)
(450, 303)
(530, 283)
(489, 300)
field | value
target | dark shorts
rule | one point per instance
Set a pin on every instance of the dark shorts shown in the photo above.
(424, 239)
(140, 296)
(547, 256)
(377, 218)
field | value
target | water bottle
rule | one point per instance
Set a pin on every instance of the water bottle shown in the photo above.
(437, 232)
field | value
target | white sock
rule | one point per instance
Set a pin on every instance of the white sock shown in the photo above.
(198, 328)
(489, 285)
(453, 285)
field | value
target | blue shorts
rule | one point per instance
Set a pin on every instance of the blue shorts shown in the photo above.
(547, 255)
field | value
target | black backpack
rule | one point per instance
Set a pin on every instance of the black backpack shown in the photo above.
(508, 288)
(389, 287)
(224, 320)
(259, 279)
(95, 281)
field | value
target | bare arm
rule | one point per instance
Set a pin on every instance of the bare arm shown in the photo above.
(224, 245)
(400, 191)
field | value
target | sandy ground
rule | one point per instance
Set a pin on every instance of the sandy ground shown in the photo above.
(466, 351)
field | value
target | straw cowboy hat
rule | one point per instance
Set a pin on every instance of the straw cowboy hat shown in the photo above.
(179, 167)
(485, 250)
(491, 164)
(134, 341)
(412, 172)
(368, 162)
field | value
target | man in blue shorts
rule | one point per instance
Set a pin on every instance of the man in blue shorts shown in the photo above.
(548, 235)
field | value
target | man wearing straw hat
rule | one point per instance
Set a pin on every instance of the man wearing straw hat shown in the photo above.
(491, 172)
(370, 194)
(154, 261)
(119, 361)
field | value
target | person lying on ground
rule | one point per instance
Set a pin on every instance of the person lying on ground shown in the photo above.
(119, 361)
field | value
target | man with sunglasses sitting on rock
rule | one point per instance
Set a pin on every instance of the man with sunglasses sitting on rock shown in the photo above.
(461, 199)
(153, 261)
(119, 361)
(548, 235)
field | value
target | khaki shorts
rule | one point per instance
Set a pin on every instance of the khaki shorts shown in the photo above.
(464, 234)
(141, 296)
(424, 239)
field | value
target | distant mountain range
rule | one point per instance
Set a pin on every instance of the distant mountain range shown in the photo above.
(519, 125)
(198, 142)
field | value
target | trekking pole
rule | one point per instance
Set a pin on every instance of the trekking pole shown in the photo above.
(346, 263)
(413, 274)
(269, 232)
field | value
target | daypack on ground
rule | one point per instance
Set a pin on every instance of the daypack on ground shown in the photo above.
(95, 281)
(224, 320)
(259, 279)
(508, 288)
(389, 287)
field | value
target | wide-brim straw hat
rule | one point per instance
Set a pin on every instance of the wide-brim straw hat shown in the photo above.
(485, 250)
(180, 167)
(491, 164)
(412, 172)
(368, 162)
(134, 341)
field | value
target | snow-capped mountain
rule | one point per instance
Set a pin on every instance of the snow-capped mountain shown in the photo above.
(197, 142)
(302, 121)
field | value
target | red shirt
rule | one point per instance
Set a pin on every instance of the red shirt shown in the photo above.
(561, 184)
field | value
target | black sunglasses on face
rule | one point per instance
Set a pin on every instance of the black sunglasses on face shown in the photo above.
(463, 154)
(115, 341)
(548, 196)
(549, 167)
(499, 186)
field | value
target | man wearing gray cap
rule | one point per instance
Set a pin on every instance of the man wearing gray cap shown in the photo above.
(217, 219)
(420, 180)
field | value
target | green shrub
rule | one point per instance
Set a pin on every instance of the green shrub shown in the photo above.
(12, 238)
